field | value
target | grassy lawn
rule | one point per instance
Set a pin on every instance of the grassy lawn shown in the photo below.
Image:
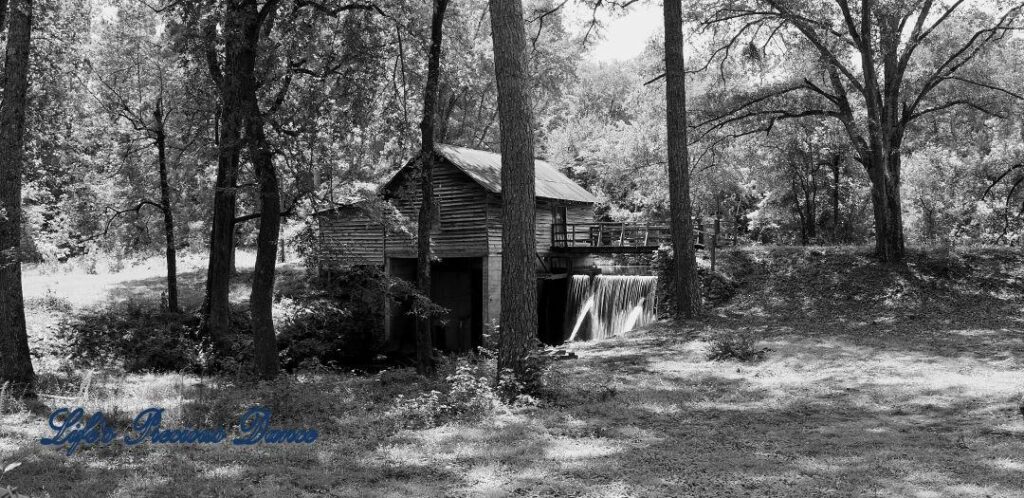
(878, 382)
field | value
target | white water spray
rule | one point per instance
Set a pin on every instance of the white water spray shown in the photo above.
(614, 304)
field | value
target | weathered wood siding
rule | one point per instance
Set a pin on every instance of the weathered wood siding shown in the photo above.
(348, 236)
(462, 229)
(469, 222)
(574, 213)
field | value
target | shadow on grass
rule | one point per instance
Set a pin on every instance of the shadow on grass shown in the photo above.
(192, 286)
(889, 383)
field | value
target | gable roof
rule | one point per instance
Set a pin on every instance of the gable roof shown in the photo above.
(485, 168)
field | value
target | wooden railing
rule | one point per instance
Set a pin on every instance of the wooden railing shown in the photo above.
(609, 235)
(707, 234)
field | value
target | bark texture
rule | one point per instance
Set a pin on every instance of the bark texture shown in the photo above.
(261, 298)
(15, 360)
(687, 283)
(518, 204)
(424, 342)
(239, 59)
(165, 205)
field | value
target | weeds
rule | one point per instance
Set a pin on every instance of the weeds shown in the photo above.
(732, 346)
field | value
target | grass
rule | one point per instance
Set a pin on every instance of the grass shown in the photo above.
(881, 381)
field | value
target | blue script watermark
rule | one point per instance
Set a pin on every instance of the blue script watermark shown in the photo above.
(72, 430)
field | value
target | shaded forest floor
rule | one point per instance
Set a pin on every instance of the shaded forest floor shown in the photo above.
(880, 382)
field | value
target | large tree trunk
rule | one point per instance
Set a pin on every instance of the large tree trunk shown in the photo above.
(424, 344)
(15, 361)
(884, 172)
(518, 203)
(165, 206)
(687, 283)
(261, 299)
(240, 59)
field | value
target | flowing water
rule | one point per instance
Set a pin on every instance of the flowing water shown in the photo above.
(606, 305)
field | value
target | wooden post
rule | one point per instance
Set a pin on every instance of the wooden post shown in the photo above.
(714, 241)
(600, 233)
(647, 233)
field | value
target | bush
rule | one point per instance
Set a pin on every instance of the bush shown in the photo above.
(735, 346)
(531, 382)
(716, 287)
(131, 337)
(51, 302)
(325, 332)
(338, 324)
(466, 394)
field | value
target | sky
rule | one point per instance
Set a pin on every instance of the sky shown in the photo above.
(625, 36)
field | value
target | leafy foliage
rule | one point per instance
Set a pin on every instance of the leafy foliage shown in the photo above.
(735, 346)
(133, 337)
(467, 394)
(717, 287)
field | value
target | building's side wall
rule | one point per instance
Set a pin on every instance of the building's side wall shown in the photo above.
(574, 213)
(462, 227)
(348, 236)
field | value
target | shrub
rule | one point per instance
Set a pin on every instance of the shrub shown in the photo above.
(131, 337)
(338, 325)
(716, 287)
(531, 382)
(326, 332)
(740, 347)
(50, 302)
(466, 394)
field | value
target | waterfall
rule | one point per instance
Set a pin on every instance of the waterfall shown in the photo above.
(608, 305)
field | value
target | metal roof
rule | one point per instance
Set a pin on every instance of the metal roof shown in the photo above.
(485, 168)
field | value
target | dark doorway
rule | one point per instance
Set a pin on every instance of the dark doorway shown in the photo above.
(457, 285)
(552, 293)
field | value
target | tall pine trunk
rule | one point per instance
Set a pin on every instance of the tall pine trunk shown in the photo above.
(687, 284)
(424, 343)
(165, 206)
(15, 360)
(518, 203)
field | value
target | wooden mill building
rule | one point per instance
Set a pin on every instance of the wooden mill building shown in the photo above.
(466, 277)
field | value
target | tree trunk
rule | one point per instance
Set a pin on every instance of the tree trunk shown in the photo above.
(261, 299)
(3, 16)
(15, 360)
(165, 206)
(239, 59)
(687, 284)
(810, 204)
(885, 196)
(835, 197)
(518, 203)
(424, 343)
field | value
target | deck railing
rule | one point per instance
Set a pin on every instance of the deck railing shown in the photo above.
(708, 234)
